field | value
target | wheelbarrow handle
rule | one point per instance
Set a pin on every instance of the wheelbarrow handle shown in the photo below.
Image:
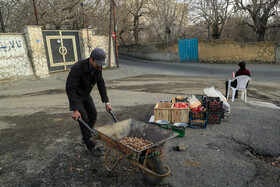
(113, 115)
(86, 125)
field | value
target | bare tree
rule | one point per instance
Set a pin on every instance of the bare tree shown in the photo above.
(123, 23)
(263, 13)
(136, 8)
(59, 14)
(53, 14)
(169, 18)
(214, 13)
(12, 16)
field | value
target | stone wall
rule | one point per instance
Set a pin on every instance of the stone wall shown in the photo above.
(24, 54)
(162, 52)
(14, 61)
(37, 53)
(89, 41)
(277, 53)
(229, 51)
(211, 51)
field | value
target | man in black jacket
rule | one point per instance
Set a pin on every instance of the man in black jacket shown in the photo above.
(80, 81)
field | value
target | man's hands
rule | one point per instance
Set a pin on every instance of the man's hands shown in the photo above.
(76, 114)
(108, 107)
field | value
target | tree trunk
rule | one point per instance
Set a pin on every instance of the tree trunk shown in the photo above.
(261, 34)
(135, 30)
(216, 33)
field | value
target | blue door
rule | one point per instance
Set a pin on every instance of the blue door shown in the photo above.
(188, 51)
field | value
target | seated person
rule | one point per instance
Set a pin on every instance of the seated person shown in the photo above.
(241, 71)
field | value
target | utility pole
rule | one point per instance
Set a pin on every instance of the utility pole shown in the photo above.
(115, 30)
(110, 34)
(34, 4)
(83, 17)
(2, 22)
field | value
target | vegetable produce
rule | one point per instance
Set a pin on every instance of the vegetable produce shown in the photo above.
(181, 105)
(198, 112)
(214, 117)
(215, 106)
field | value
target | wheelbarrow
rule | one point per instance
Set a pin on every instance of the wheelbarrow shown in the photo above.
(148, 159)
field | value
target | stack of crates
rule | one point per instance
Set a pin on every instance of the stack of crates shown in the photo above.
(214, 110)
(198, 120)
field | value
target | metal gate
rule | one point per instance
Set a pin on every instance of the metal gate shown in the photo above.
(62, 49)
(188, 50)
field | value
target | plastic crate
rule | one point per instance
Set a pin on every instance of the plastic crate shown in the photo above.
(213, 98)
(198, 120)
(210, 99)
(179, 130)
(197, 115)
(214, 117)
(214, 106)
(198, 123)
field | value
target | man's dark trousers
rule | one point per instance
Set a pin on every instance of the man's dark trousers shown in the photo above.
(89, 114)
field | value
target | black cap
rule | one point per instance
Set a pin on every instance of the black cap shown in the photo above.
(98, 56)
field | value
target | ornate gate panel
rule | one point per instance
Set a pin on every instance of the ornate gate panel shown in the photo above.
(62, 49)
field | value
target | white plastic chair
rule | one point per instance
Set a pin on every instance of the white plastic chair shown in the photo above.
(242, 82)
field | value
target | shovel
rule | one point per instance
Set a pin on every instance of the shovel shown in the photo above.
(90, 129)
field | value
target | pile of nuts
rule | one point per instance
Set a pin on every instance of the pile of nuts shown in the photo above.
(136, 143)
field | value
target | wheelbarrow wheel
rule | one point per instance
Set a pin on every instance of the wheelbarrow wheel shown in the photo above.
(155, 164)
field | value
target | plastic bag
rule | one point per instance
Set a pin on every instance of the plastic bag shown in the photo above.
(194, 102)
(211, 92)
(221, 96)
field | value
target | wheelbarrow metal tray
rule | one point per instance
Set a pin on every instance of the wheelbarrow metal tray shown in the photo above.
(111, 134)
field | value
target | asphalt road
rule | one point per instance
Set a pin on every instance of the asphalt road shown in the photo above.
(259, 71)
(39, 140)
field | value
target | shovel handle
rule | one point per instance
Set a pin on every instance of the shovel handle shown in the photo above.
(86, 125)
(113, 115)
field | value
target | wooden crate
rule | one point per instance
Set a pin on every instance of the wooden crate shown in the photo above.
(162, 111)
(180, 115)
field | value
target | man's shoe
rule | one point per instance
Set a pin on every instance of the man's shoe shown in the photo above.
(92, 143)
(82, 143)
(96, 152)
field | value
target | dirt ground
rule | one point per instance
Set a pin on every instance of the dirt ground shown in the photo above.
(40, 142)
